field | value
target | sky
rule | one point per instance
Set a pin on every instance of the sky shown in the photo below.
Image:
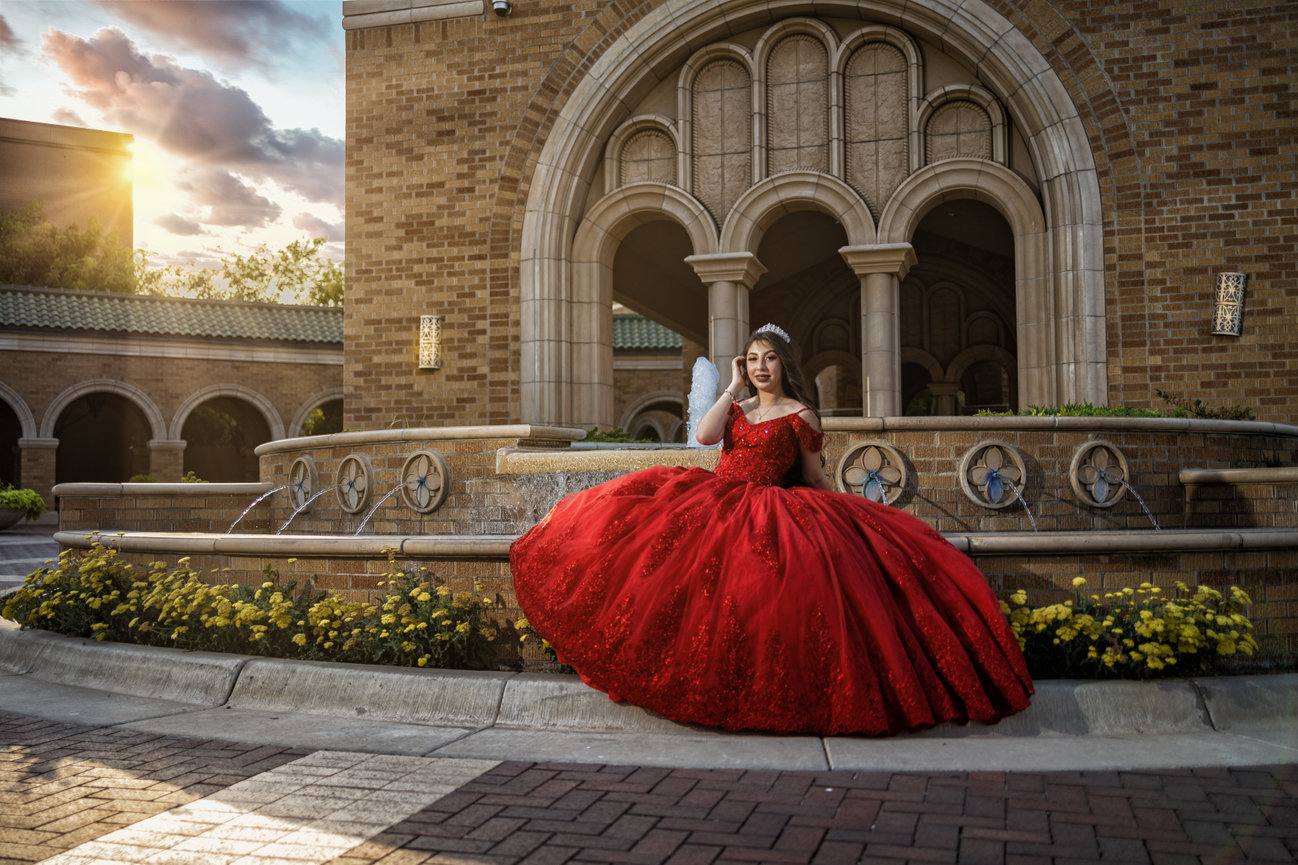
(237, 108)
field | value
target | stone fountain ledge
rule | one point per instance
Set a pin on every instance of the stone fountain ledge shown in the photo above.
(496, 547)
(1070, 724)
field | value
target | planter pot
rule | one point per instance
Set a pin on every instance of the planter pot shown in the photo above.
(9, 516)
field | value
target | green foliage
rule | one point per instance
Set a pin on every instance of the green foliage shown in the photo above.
(34, 251)
(97, 595)
(1074, 409)
(299, 270)
(1132, 633)
(1180, 408)
(190, 478)
(22, 500)
(142, 479)
(1183, 407)
(614, 435)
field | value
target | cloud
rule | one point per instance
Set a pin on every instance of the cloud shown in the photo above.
(178, 225)
(9, 44)
(191, 114)
(317, 227)
(9, 40)
(68, 117)
(229, 200)
(233, 31)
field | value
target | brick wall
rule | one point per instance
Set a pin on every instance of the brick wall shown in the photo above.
(1188, 109)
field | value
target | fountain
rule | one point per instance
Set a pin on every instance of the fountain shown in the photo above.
(254, 504)
(1214, 519)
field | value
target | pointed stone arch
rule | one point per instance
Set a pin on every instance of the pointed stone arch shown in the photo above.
(791, 192)
(585, 396)
(1042, 371)
(652, 50)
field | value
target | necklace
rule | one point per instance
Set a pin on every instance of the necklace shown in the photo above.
(762, 413)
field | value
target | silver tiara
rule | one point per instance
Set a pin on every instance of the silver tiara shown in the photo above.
(775, 329)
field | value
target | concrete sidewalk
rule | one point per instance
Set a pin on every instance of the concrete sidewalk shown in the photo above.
(1228, 721)
(123, 754)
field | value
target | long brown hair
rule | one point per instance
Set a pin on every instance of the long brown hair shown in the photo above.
(791, 376)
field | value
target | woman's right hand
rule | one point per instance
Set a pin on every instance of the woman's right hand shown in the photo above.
(737, 379)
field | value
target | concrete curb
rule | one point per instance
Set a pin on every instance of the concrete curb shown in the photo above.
(195, 678)
(541, 702)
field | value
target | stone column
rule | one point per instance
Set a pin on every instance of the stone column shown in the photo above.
(36, 463)
(945, 393)
(881, 269)
(167, 459)
(729, 277)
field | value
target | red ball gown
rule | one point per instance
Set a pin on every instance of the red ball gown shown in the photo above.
(727, 599)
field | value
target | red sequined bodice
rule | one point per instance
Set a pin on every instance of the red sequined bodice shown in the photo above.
(765, 453)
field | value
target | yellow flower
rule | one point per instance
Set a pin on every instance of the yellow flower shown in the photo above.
(1078, 582)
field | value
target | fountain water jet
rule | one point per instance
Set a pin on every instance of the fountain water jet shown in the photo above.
(254, 504)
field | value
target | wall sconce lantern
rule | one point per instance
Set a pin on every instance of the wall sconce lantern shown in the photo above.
(1228, 307)
(430, 341)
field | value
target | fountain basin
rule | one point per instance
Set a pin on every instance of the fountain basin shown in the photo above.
(1221, 493)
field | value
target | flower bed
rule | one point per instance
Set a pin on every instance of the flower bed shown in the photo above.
(416, 622)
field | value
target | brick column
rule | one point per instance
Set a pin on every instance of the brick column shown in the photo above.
(881, 269)
(167, 459)
(36, 462)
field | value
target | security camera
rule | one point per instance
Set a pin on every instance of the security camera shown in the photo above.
(502, 7)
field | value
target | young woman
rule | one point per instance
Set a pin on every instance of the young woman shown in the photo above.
(755, 598)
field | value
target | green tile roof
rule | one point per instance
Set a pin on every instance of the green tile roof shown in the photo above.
(637, 333)
(59, 309)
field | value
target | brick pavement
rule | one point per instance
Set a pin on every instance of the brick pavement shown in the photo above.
(65, 790)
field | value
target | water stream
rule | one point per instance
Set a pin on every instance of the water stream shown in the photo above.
(254, 504)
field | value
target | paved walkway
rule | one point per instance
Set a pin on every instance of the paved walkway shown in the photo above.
(122, 754)
(74, 795)
(25, 547)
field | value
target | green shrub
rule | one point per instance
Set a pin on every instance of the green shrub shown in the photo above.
(97, 595)
(22, 500)
(1132, 633)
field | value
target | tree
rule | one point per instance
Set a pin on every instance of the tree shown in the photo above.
(34, 251)
(299, 270)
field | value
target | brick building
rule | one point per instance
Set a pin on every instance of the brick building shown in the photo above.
(103, 387)
(950, 205)
(78, 175)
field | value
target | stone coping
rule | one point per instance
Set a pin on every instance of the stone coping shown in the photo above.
(532, 461)
(313, 546)
(1265, 475)
(1055, 422)
(420, 434)
(105, 490)
(496, 547)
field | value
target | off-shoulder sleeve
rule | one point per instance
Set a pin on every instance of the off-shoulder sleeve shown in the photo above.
(810, 438)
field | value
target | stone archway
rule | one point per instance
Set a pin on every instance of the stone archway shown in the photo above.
(1060, 295)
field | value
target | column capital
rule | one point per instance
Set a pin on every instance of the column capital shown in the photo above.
(167, 444)
(38, 443)
(891, 258)
(737, 267)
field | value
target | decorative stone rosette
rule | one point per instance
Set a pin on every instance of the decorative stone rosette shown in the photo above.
(355, 483)
(873, 469)
(425, 481)
(303, 483)
(1098, 474)
(992, 474)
